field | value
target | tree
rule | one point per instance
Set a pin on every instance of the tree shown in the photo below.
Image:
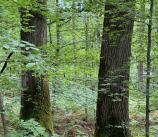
(148, 61)
(112, 116)
(35, 97)
(141, 43)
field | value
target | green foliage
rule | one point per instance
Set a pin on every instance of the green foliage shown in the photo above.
(30, 128)
(73, 70)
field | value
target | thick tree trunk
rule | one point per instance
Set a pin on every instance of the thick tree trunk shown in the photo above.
(112, 116)
(35, 98)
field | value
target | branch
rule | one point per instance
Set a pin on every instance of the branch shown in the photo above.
(6, 61)
(63, 19)
(54, 21)
(65, 22)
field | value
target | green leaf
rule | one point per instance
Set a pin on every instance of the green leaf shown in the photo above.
(29, 65)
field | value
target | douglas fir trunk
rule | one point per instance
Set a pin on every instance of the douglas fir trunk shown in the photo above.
(112, 118)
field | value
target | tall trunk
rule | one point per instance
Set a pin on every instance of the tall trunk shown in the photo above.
(140, 68)
(35, 97)
(86, 21)
(112, 116)
(141, 37)
(58, 39)
(74, 40)
(50, 33)
(149, 68)
(57, 28)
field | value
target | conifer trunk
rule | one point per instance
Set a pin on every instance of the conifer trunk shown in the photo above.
(35, 97)
(112, 116)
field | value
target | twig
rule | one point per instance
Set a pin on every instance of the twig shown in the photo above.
(6, 62)
(4, 122)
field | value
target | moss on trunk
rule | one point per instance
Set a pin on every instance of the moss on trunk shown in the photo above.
(35, 97)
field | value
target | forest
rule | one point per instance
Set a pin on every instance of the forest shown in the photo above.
(78, 68)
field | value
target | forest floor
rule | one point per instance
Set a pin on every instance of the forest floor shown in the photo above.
(75, 124)
(1, 129)
(70, 125)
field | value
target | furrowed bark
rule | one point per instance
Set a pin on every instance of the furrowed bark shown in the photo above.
(112, 116)
(35, 96)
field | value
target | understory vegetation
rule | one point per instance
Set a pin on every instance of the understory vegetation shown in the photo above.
(78, 68)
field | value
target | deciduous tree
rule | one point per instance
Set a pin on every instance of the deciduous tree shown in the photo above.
(35, 97)
(112, 116)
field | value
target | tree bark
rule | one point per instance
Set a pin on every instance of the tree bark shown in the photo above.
(148, 61)
(3, 116)
(112, 116)
(140, 68)
(35, 96)
(141, 39)
(86, 23)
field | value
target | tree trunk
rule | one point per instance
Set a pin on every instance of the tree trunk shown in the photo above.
(35, 97)
(142, 44)
(3, 117)
(140, 68)
(86, 22)
(148, 77)
(112, 116)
